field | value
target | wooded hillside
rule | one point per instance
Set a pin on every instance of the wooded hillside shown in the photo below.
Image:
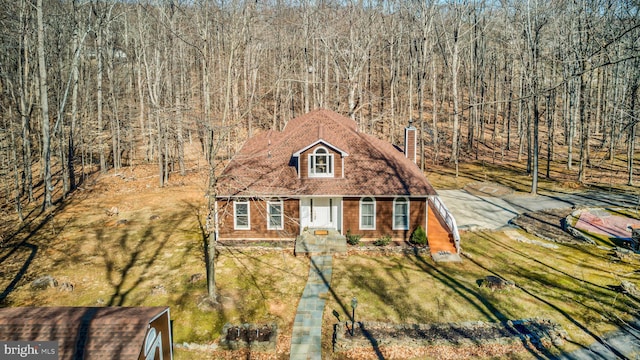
(92, 85)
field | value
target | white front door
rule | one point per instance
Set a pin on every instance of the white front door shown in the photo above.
(322, 213)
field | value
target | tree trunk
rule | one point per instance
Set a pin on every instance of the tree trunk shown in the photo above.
(26, 104)
(99, 98)
(16, 176)
(44, 105)
(456, 100)
(550, 105)
(74, 116)
(536, 122)
(115, 121)
(632, 132)
(574, 117)
(584, 129)
(434, 110)
(631, 152)
(160, 148)
(179, 129)
(520, 119)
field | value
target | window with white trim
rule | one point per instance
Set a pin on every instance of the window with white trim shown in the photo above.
(321, 163)
(367, 213)
(400, 214)
(241, 215)
(275, 217)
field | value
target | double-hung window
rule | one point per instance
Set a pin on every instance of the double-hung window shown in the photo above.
(241, 215)
(367, 213)
(321, 163)
(401, 214)
(275, 218)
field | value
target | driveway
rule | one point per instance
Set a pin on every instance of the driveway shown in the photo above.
(474, 212)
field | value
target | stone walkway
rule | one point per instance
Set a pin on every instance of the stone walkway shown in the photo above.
(307, 326)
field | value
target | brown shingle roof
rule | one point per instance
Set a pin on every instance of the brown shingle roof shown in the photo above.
(81, 332)
(265, 167)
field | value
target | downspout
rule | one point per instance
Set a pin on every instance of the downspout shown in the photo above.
(216, 232)
(426, 218)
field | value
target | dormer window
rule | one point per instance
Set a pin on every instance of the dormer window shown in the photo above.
(321, 163)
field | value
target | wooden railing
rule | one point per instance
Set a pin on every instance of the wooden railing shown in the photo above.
(448, 219)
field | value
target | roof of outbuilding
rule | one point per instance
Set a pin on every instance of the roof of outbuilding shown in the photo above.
(265, 167)
(81, 332)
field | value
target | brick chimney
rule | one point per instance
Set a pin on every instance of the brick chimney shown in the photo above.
(410, 142)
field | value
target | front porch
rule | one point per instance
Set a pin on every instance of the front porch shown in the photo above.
(320, 241)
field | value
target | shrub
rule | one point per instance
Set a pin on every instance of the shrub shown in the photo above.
(383, 241)
(419, 236)
(353, 239)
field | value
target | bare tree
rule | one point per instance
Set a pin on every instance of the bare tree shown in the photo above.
(44, 107)
(535, 20)
(452, 43)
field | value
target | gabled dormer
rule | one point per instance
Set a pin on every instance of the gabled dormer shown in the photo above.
(319, 160)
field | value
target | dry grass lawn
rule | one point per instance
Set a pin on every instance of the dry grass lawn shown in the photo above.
(145, 262)
(571, 285)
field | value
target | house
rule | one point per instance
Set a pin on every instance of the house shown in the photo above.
(67, 333)
(320, 172)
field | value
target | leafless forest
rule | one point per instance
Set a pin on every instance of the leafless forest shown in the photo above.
(93, 85)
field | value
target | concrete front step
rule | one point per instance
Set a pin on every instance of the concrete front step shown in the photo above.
(320, 241)
(445, 256)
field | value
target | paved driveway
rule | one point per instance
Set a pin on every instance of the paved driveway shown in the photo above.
(473, 212)
(477, 212)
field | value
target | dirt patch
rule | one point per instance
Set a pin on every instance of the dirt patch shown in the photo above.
(488, 189)
(546, 224)
(515, 235)
(395, 248)
(249, 245)
(444, 352)
(539, 333)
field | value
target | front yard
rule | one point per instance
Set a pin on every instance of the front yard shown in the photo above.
(148, 255)
(571, 285)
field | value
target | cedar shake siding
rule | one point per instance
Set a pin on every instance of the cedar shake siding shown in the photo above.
(336, 166)
(384, 218)
(258, 221)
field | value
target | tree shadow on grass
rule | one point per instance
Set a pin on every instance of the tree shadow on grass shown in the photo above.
(14, 241)
(118, 276)
(379, 287)
(132, 251)
(23, 269)
(557, 285)
(475, 299)
(24, 243)
(573, 320)
(374, 343)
